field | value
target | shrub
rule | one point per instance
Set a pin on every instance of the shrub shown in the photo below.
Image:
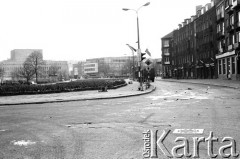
(80, 85)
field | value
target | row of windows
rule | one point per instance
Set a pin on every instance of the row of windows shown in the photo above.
(232, 39)
(89, 69)
(89, 65)
(183, 60)
(18, 68)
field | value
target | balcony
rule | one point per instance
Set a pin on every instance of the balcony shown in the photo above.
(228, 7)
(220, 17)
(236, 45)
(221, 50)
(236, 4)
(237, 26)
(220, 35)
(166, 53)
(230, 28)
(166, 45)
(167, 62)
(230, 47)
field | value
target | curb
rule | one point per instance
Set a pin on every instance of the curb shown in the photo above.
(215, 85)
(85, 99)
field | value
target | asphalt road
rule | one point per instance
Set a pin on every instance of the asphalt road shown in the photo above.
(112, 129)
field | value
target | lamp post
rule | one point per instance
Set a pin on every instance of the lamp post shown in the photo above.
(138, 37)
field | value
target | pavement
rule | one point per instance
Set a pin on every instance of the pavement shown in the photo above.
(212, 82)
(125, 91)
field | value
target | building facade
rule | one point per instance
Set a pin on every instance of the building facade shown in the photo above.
(166, 55)
(206, 46)
(18, 57)
(228, 28)
(202, 43)
(114, 66)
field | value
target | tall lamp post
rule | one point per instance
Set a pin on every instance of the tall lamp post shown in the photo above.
(138, 37)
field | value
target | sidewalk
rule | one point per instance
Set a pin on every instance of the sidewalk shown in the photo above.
(126, 91)
(214, 82)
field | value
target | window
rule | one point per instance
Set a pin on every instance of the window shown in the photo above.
(166, 43)
(233, 65)
(223, 28)
(239, 16)
(228, 66)
(219, 66)
(233, 39)
(224, 66)
(238, 65)
(166, 50)
(237, 37)
(232, 20)
(222, 11)
(218, 28)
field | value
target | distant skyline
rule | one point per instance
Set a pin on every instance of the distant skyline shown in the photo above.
(80, 29)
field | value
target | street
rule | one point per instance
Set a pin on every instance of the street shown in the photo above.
(112, 128)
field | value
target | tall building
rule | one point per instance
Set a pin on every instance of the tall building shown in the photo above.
(166, 55)
(195, 47)
(206, 46)
(22, 54)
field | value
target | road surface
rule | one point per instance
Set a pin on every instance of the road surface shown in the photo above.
(112, 129)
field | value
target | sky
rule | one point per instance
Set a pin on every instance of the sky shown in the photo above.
(82, 29)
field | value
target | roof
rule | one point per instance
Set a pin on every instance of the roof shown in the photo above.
(170, 35)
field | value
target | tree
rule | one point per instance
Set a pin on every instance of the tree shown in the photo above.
(2, 72)
(53, 70)
(27, 71)
(36, 63)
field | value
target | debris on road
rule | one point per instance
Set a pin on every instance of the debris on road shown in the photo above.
(23, 142)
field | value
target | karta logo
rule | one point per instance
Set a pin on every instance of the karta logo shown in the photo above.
(153, 144)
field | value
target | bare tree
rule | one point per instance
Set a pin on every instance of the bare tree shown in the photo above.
(36, 63)
(63, 75)
(2, 72)
(53, 70)
(27, 71)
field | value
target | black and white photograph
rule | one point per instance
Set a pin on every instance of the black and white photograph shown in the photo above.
(119, 79)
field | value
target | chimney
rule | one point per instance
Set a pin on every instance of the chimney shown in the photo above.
(212, 3)
(193, 18)
(207, 6)
(179, 26)
(202, 10)
(198, 8)
(183, 23)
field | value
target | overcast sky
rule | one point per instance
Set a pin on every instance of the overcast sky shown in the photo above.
(80, 29)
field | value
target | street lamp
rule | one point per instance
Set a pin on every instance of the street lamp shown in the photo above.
(139, 48)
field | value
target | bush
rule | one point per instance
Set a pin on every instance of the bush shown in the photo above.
(80, 85)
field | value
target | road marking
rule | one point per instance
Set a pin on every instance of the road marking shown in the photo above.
(188, 131)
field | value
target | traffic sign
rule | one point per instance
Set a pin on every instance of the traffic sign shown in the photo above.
(148, 62)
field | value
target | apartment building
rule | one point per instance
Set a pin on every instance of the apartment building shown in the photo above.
(166, 55)
(228, 28)
(195, 43)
